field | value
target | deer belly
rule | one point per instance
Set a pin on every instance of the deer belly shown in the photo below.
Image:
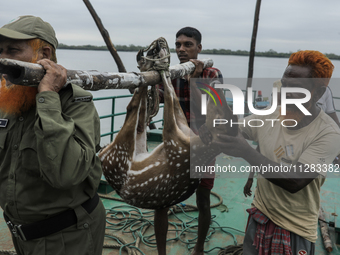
(159, 186)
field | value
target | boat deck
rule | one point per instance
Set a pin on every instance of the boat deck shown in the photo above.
(228, 223)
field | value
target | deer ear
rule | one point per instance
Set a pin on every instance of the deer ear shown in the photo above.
(139, 55)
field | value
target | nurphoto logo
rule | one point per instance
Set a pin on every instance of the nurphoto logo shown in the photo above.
(238, 104)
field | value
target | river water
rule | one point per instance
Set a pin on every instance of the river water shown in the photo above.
(265, 69)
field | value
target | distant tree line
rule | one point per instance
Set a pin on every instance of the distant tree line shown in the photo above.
(131, 47)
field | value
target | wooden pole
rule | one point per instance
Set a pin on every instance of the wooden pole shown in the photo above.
(106, 37)
(252, 50)
(30, 74)
(324, 231)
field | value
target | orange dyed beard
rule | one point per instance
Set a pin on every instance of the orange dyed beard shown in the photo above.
(16, 99)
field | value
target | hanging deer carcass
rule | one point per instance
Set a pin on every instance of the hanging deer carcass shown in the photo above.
(161, 178)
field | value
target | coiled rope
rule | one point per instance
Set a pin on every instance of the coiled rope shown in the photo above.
(126, 219)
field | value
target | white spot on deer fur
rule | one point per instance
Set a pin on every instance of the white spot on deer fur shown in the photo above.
(157, 163)
(138, 172)
(172, 141)
(178, 164)
(161, 176)
(155, 178)
(186, 160)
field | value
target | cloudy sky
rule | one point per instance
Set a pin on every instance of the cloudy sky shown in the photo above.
(284, 26)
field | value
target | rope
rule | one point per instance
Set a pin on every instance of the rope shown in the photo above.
(232, 250)
(127, 220)
(159, 65)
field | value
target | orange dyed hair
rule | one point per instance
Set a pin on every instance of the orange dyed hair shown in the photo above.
(37, 45)
(321, 66)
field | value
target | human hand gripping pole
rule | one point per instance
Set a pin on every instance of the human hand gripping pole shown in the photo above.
(55, 76)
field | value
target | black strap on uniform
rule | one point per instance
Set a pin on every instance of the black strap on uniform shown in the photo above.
(51, 225)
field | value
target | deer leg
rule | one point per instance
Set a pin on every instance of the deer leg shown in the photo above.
(173, 112)
(141, 144)
(117, 157)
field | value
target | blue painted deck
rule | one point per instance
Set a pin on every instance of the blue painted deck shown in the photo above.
(231, 215)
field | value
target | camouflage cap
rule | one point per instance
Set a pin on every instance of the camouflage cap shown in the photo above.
(29, 27)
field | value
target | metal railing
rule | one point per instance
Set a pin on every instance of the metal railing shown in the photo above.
(337, 98)
(114, 114)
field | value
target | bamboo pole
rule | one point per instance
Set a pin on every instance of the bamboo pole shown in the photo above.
(30, 74)
(252, 49)
(106, 37)
(324, 231)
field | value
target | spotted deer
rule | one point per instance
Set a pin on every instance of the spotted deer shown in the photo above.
(161, 178)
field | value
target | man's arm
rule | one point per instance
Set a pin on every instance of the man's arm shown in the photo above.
(67, 137)
(194, 90)
(67, 133)
(290, 181)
